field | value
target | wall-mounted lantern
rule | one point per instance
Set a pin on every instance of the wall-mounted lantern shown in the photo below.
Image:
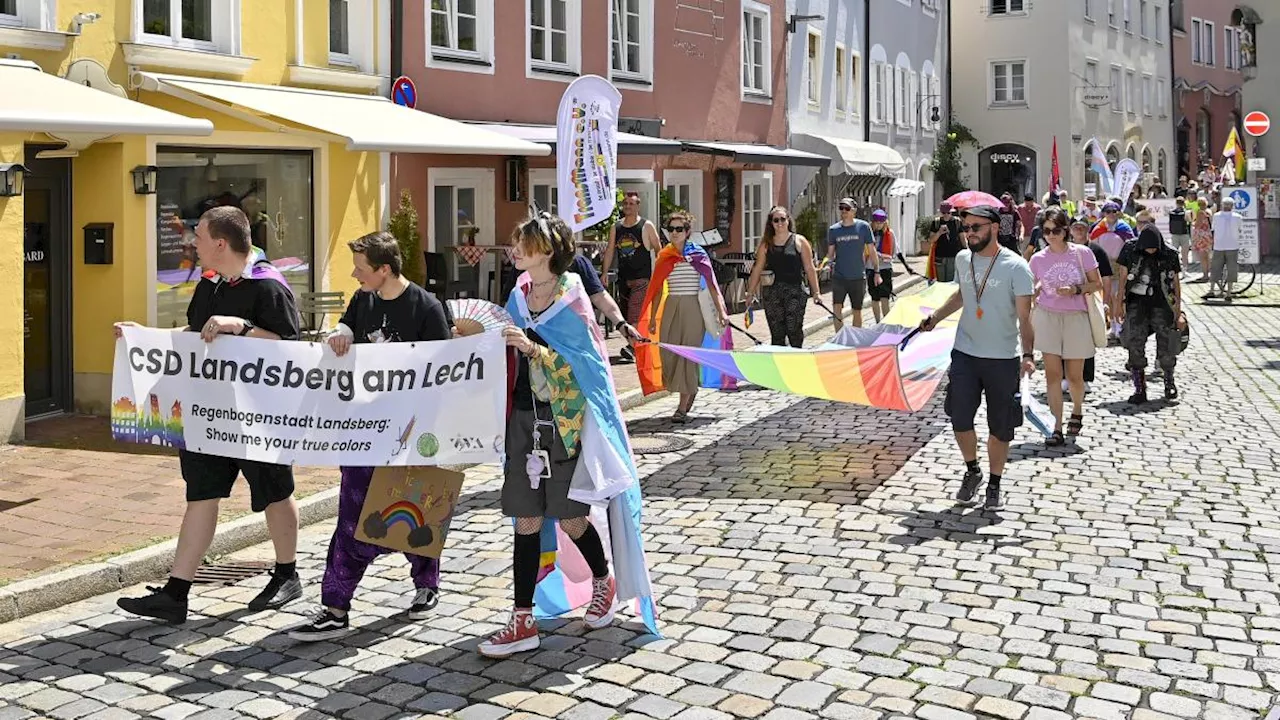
(144, 179)
(12, 177)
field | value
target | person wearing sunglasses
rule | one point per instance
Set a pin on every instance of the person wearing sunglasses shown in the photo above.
(788, 258)
(692, 314)
(1065, 273)
(850, 249)
(994, 300)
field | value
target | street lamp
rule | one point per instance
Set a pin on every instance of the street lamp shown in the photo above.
(935, 114)
(791, 21)
(144, 179)
(12, 177)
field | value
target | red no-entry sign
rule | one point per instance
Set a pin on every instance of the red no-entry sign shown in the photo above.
(1257, 123)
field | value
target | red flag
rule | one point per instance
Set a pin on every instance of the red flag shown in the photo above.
(1055, 182)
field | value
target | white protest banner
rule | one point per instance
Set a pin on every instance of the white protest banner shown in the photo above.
(1249, 250)
(1127, 174)
(587, 151)
(1160, 209)
(425, 403)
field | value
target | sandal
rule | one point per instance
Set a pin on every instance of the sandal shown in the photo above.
(1055, 440)
(1075, 425)
(680, 417)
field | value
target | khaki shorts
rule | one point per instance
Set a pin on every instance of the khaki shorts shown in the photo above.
(1066, 335)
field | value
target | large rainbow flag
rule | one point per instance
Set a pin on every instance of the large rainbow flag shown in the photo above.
(861, 365)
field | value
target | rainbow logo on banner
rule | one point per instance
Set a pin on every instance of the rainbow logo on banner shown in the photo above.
(404, 512)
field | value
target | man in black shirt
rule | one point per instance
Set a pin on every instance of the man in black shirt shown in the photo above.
(1180, 229)
(633, 242)
(946, 241)
(387, 308)
(248, 299)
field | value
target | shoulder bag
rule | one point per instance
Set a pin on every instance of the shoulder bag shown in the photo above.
(1097, 321)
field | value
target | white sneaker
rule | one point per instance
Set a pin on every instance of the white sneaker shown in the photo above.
(1066, 386)
(1087, 388)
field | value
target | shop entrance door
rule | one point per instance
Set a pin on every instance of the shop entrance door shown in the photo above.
(46, 285)
(461, 210)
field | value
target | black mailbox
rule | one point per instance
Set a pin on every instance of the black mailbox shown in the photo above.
(99, 243)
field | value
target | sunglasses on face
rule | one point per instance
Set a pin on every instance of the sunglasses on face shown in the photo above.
(975, 227)
(845, 208)
(777, 219)
(1054, 231)
(677, 228)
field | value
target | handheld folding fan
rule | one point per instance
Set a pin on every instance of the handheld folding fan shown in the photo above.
(472, 316)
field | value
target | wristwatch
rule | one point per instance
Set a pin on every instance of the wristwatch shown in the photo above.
(1029, 356)
(248, 327)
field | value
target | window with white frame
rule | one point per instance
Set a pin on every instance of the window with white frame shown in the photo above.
(1158, 25)
(552, 39)
(879, 92)
(25, 14)
(461, 30)
(1131, 91)
(179, 22)
(755, 49)
(1162, 97)
(855, 80)
(904, 96)
(1146, 95)
(1128, 16)
(1231, 48)
(899, 96)
(1112, 20)
(1006, 7)
(684, 187)
(632, 39)
(1143, 29)
(1197, 40)
(1210, 55)
(1088, 9)
(1009, 83)
(913, 93)
(1090, 73)
(1117, 94)
(842, 80)
(813, 67)
(339, 31)
(757, 198)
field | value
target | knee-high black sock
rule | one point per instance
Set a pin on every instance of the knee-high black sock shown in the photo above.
(524, 567)
(592, 550)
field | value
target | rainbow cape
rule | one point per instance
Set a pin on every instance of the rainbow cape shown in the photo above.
(606, 476)
(862, 365)
(648, 359)
(1112, 240)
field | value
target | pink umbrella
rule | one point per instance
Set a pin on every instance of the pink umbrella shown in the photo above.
(973, 198)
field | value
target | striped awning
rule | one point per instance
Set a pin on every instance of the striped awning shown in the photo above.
(867, 187)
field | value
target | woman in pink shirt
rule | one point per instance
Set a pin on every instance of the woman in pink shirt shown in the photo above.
(1065, 273)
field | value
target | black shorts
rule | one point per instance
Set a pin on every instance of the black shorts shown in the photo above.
(999, 379)
(855, 290)
(884, 290)
(210, 477)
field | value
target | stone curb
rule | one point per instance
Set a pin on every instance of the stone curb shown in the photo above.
(80, 582)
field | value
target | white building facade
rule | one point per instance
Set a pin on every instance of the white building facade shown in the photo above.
(1072, 71)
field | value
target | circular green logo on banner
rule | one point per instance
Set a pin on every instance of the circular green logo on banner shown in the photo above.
(428, 445)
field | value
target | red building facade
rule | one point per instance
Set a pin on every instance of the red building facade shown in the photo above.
(1207, 81)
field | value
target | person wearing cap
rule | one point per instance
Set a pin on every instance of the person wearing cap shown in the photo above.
(945, 242)
(850, 251)
(994, 300)
(1148, 271)
(1010, 224)
(880, 272)
(1226, 250)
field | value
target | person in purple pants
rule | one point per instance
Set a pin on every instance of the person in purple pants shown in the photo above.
(387, 308)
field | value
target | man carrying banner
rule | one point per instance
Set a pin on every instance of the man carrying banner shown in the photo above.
(246, 297)
(387, 308)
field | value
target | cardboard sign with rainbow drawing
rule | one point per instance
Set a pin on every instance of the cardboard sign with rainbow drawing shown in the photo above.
(409, 509)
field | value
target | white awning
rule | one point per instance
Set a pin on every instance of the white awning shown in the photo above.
(853, 157)
(35, 101)
(366, 122)
(628, 143)
(751, 153)
(902, 187)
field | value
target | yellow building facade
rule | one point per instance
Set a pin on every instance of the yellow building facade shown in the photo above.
(131, 119)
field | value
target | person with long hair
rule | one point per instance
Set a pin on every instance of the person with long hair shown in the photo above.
(683, 294)
(1202, 240)
(1064, 274)
(880, 273)
(568, 456)
(788, 257)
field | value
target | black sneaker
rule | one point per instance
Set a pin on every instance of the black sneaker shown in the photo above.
(424, 601)
(159, 605)
(969, 486)
(1170, 389)
(626, 354)
(278, 593)
(993, 501)
(324, 625)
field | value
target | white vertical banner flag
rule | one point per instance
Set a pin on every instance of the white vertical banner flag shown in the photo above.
(1127, 174)
(587, 151)
(1099, 165)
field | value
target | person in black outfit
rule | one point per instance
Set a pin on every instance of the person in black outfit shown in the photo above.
(789, 259)
(632, 243)
(946, 241)
(247, 299)
(387, 308)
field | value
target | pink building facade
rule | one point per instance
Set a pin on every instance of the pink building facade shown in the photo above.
(1207, 81)
(680, 67)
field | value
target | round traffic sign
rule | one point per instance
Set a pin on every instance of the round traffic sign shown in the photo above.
(404, 92)
(1257, 123)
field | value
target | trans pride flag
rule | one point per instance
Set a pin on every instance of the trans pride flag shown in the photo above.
(606, 476)
(864, 366)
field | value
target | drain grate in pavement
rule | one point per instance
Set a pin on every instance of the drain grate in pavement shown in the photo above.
(652, 443)
(229, 573)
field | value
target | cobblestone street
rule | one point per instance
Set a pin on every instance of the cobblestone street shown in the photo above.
(809, 563)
